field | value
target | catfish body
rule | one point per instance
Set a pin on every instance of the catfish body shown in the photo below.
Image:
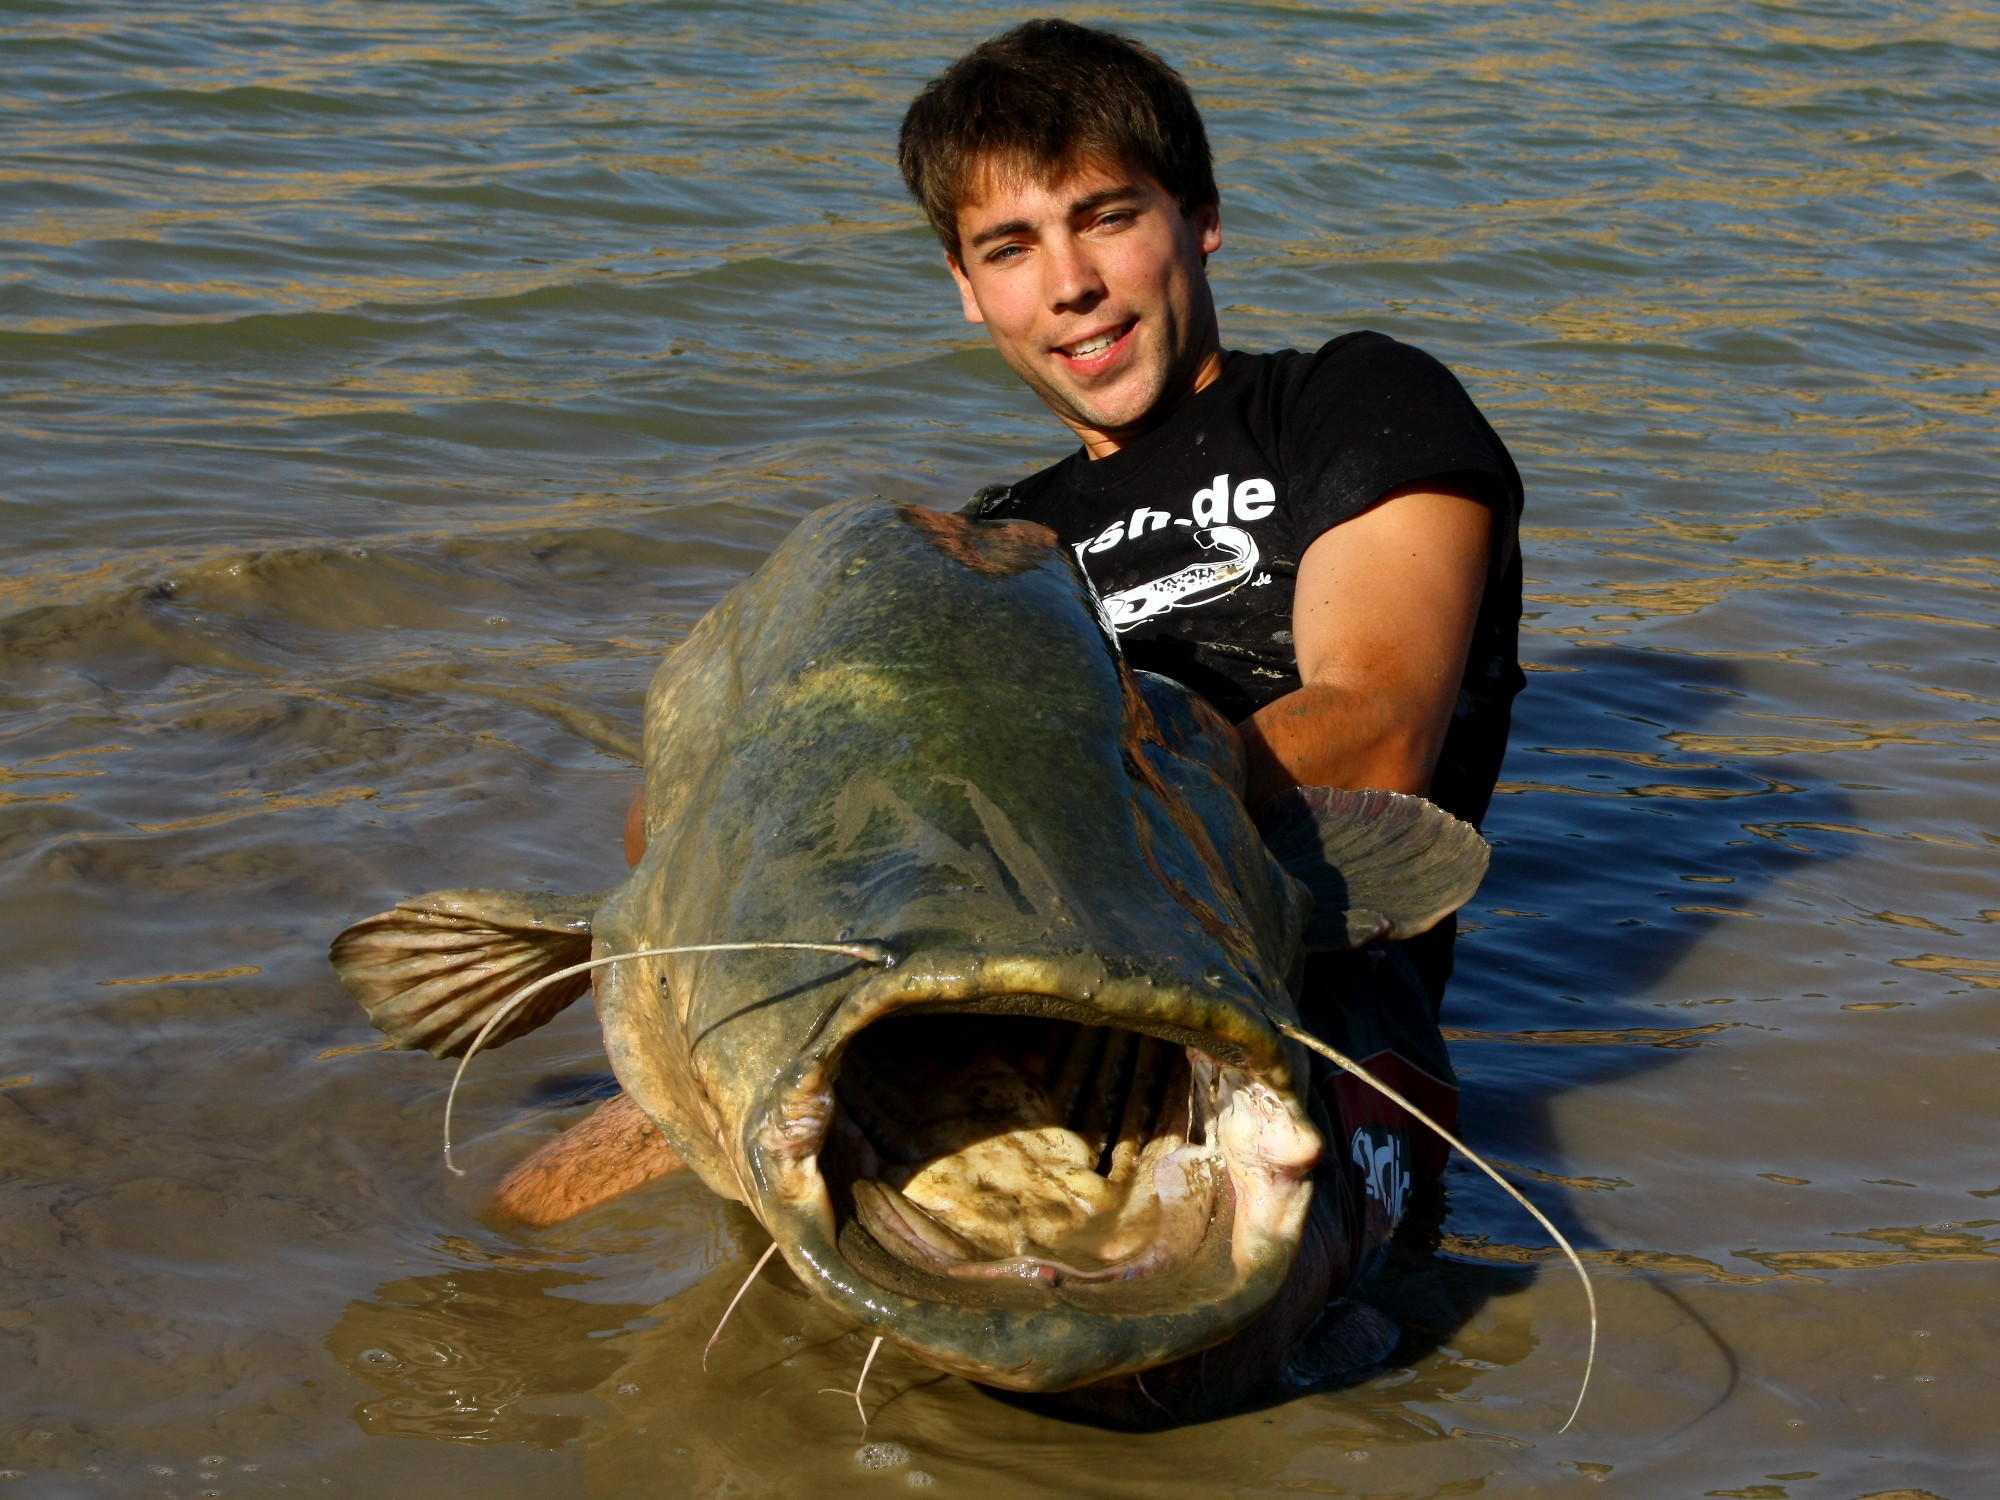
(1061, 1140)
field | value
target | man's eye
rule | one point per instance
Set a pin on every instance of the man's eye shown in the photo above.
(1006, 253)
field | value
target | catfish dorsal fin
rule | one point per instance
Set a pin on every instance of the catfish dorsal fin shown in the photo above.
(431, 971)
(1378, 864)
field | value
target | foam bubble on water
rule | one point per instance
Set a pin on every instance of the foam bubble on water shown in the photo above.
(881, 1455)
(917, 1479)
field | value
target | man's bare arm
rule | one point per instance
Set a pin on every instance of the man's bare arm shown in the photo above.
(1382, 619)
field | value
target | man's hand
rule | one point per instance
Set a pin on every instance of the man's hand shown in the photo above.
(1381, 620)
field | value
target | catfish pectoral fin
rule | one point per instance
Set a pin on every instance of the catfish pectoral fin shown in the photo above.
(431, 972)
(616, 1149)
(1378, 864)
(1349, 1336)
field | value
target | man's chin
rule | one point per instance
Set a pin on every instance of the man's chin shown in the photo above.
(1119, 414)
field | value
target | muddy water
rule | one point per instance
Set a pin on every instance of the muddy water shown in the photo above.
(387, 386)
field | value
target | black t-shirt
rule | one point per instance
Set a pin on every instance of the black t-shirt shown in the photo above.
(1192, 533)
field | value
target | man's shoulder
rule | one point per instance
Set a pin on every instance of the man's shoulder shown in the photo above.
(1372, 391)
(1362, 353)
(1347, 372)
(1357, 343)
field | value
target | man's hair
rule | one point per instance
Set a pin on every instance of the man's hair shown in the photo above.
(1045, 97)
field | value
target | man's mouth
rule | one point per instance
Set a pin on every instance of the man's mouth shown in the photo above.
(1096, 350)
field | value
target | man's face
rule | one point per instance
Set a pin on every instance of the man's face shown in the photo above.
(1092, 287)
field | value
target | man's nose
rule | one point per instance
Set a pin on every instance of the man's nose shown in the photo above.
(1073, 283)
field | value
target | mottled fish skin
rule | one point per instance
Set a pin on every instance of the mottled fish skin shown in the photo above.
(912, 727)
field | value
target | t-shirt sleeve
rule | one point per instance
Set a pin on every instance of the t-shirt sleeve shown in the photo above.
(1366, 414)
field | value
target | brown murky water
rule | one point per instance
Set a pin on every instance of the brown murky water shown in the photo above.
(387, 386)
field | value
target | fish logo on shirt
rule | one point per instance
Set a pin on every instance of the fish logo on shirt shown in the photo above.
(1198, 583)
(1212, 508)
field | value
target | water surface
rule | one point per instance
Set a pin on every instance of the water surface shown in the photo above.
(387, 386)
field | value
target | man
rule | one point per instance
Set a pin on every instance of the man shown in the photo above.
(1321, 544)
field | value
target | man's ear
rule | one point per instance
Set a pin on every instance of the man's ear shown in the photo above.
(1206, 222)
(966, 301)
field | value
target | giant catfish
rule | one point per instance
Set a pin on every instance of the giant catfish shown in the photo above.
(1038, 1122)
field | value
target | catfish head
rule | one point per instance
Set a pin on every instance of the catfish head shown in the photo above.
(1056, 1135)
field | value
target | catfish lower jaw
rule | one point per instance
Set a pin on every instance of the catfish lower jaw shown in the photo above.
(1034, 1202)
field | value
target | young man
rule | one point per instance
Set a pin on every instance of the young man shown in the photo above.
(1322, 544)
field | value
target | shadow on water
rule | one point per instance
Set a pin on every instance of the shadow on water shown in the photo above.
(1625, 836)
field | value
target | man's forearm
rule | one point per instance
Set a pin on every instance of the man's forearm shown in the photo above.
(1383, 618)
(1326, 736)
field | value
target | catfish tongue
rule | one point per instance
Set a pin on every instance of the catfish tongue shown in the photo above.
(1154, 1221)
(983, 1166)
(980, 1167)
(1013, 1193)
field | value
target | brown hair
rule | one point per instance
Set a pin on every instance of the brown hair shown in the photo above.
(1047, 95)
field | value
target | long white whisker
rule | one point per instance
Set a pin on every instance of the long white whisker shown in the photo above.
(769, 1251)
(866, 1364)
(866, 952)
(1306, 1039)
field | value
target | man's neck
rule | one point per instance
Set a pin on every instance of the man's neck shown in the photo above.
(1102, 443)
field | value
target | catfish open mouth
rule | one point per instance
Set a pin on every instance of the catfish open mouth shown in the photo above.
(970, 1154)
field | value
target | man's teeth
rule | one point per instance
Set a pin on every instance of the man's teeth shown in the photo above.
(1089, 347)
